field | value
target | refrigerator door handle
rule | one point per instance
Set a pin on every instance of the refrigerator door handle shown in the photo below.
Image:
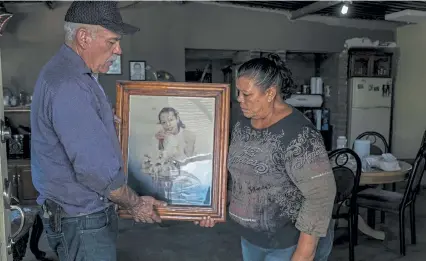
(386, 90)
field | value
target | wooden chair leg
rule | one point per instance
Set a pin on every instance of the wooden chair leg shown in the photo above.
(413, 224)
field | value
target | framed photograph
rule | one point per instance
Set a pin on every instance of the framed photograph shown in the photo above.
(137, 70)
(115, 68)
(174, 139)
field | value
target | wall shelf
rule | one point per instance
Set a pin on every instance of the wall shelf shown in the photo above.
(17, 109)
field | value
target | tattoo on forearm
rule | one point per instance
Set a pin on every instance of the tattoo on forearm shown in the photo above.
(142, 209)
(125, 197)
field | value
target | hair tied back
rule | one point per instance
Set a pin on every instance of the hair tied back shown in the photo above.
(276, 59)
(287, 85)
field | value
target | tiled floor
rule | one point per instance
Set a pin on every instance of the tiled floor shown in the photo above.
(187, 242)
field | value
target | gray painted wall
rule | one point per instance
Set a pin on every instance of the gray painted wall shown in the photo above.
(35, 33)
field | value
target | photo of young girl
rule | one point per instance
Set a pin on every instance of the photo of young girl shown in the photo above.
(171, 158)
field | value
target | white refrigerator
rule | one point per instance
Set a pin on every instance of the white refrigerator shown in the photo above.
(370, 101)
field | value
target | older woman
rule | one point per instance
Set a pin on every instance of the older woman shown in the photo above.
(283, 187)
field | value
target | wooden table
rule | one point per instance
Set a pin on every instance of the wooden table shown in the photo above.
(381, 177)
(376, 177)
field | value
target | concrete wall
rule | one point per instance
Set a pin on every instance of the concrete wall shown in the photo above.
(410, 91)
(302, 66)
(35, 33)
(329, 72)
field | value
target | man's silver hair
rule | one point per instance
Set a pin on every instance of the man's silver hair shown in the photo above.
(71, 30)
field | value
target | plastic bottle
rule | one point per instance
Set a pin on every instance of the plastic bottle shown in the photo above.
(341, 142)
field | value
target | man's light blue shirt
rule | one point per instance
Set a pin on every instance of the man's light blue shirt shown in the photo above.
(76, 159)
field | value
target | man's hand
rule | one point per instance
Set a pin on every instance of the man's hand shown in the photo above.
(142, 209)
(146, 210)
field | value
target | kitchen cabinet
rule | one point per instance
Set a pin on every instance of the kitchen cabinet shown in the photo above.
(22, 184)
(363, 63)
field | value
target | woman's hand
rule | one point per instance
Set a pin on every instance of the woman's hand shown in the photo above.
(205, 222)
(306, 248)
(117, 119)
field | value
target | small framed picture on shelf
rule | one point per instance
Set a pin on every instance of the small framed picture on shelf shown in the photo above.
(137, 70)
(115, 68)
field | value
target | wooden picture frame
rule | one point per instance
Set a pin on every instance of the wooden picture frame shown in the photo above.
(137, 70)
(192, 118)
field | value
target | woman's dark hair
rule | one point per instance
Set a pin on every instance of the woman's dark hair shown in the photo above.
(268, 72)
(175, 113)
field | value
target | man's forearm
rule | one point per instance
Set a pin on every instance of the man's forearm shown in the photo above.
(124, 197)
(306, 248)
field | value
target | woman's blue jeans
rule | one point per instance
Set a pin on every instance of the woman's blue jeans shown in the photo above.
(254, 253)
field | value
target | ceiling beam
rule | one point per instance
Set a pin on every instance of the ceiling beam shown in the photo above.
(51, 4)
(328, 20)
(312, 8)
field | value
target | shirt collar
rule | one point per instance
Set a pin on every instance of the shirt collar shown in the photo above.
(77, 62)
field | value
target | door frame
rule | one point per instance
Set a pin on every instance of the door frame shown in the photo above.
(5, 224)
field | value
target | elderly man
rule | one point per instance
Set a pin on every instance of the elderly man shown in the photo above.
(75, 155)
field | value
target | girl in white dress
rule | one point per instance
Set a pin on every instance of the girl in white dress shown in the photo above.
(175, 144)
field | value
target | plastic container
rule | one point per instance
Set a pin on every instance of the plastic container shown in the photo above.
(362, 148)
(341, 142)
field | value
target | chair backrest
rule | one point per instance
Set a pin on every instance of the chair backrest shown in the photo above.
(415, 176)
(375, 148)
(423, 139)
(347, 168)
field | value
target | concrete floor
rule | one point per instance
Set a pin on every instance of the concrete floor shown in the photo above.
(184, 241)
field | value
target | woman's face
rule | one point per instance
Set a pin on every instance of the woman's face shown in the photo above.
(169, 122)
(254, 102)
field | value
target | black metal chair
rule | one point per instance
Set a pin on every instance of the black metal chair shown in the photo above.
(20, 248)
(375, 149)
(395, 202)
(32, 219)
(423, 142)
(347, 185)
(373, 136)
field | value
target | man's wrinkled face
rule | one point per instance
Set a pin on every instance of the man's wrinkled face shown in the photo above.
(100, 49)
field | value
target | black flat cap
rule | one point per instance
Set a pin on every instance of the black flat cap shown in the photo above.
(103, 13)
